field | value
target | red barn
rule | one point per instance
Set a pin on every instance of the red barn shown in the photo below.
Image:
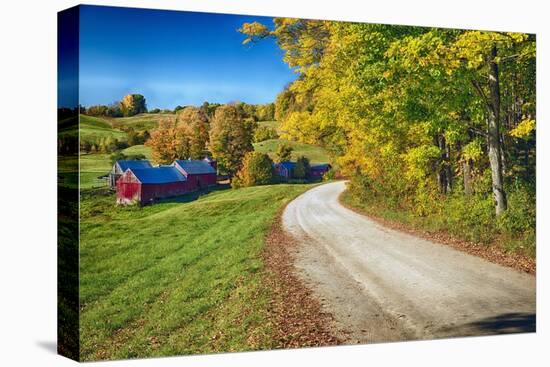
(121, 166)
(146, 185)
(199, 174)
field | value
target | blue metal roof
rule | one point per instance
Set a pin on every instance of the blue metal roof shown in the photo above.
(288, 165)
(159, 175)
(193, 167)
(137, 164)
(324, 166)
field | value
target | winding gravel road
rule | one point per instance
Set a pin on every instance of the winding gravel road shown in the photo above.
(385, 285)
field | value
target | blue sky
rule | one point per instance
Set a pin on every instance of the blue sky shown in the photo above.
(175, 58)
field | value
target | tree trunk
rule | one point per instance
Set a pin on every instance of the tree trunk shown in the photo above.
(443, 174)
(448, 171)
(467, 174)
(493, 132)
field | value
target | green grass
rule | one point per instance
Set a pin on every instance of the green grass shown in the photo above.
(271, 124)
(138, 149)
(314, 153)
(94, 128)
(143, 121)
(176, 278)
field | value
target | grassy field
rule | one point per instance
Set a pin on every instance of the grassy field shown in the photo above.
(143, 121)
(176, 278)
(138, 149)
(314, 153)
(94, 128)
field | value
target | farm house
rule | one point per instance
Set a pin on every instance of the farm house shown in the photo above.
(145, 185)
(121, 166)
(199, 173)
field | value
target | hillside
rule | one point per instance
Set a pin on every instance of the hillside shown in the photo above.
(141, 122)
(95, 128)
(166, 279)
(314, 153)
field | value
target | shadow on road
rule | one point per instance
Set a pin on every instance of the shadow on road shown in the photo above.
(506, 323)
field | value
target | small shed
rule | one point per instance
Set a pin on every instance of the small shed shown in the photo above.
(199, 173)
(284, 169)
(317, 171)
(121, 166)
(146, 185)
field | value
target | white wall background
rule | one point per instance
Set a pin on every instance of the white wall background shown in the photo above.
(28, 179)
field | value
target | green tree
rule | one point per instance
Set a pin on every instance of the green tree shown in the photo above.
(301, 170)
(230, 138)
(262, 133)
(283, 152)
(196, 125)
(257, 169)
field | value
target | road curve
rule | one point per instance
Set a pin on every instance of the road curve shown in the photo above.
(385, 285)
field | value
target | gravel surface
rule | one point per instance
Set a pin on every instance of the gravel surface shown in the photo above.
(380, 284)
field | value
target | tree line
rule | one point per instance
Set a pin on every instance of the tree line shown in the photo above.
(433, 121)
(130, 105)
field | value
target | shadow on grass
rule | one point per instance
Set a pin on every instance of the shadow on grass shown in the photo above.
(192, 196)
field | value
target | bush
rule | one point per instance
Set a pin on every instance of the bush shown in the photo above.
(263, 133)
(257, 169)
(521, 214)
(283, 153)
(329, 175)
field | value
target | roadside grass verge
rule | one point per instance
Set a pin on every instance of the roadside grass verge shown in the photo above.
(177, 278)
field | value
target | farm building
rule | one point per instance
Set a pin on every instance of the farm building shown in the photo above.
(121, 166)
(317, 171)
(199, 174)
(211, 162)
(284, 169)
(145, 185)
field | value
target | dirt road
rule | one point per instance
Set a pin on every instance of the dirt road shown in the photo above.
(385, 285)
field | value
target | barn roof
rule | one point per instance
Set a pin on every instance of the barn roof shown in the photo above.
(134, 164)
(193, 167)
(288, 165)
(320, 167)
(158, 175)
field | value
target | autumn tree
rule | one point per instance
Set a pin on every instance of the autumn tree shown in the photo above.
(435, 122)
(169, 141)
(133, 104)
(196, 125)
(230, 138)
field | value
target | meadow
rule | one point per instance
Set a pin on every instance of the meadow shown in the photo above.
(176, 277)
(315, 153)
